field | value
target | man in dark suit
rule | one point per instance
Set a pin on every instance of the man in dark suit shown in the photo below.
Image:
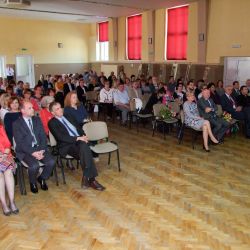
(31, 146)
(68, 86)
(237, 112)
(207, 109)
(236, 90)
(243, 99)
(71, 140)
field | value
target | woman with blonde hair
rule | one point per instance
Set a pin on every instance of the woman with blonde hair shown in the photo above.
(4, 105)
(74, 109)
(195, 121)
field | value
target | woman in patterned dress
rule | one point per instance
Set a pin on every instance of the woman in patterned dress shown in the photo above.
(7, 167)
(193, 120)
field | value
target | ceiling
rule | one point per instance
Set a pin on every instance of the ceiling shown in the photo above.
(84, 11)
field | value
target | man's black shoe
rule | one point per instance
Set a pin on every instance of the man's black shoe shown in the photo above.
(42, 183)
(33, 188)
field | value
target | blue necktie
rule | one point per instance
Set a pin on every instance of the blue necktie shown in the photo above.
(68, 128)
(34, 141)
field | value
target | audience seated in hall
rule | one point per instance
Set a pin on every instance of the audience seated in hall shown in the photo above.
(207, 109)
(219, 88)
(236, 90)
(171, 84)
(106, 99)
(36, 98)
(75, 109)
(153, 99)
(4, 98)
(45, 114)
(10, 117)
(68, 86)
(71, 140)
(31, 146)
(19, 89)
(81, 90)
(179, 93)
(168, 96)
(243, 99)
(238, 112)
(7, 167)
(193, 119)
(135, 90)
(213, 93)
(121, 100)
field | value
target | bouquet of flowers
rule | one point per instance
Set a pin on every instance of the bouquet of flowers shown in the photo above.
(166, 113)
(227, 117)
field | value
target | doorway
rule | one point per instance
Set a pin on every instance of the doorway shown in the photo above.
(25, 69)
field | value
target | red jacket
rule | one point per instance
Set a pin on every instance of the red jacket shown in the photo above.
(4, 141)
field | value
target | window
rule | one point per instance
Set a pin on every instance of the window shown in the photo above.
(177, 33)
(102, 45)
(134, 37)
(2, 66)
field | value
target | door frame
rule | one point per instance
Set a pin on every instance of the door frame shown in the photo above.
(32, 69)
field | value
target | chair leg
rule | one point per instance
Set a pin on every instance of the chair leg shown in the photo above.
(118, 159)
(19, 180)
(137, 124)
(56, 177)
(23, 181)
(69, 165)
(164, 133)
(180, 134)
(62, 169)
(109, 158)
(154, 126)
(194, 137)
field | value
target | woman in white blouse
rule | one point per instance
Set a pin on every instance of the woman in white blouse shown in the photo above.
(106, 98)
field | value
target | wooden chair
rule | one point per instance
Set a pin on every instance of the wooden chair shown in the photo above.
(98, 131)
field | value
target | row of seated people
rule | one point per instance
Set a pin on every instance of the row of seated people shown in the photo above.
(31, 147)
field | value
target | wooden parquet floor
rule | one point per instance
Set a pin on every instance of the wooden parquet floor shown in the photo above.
(168, 196)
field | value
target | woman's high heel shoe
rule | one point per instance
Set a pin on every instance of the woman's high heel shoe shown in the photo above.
(15, 211)
(8, 213)
(207, 150)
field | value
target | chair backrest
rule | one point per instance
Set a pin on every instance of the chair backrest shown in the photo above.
(219, 110)
(157, 108)
(174, 106)
(92, 95)
(52, 140)
(96, 130)
(145, 99)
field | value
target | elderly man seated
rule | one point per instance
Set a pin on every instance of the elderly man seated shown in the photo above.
(121, 100)
(238, 112)
(207, 109)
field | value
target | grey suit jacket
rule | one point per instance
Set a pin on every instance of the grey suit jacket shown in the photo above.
(23, 137)
(203, 104)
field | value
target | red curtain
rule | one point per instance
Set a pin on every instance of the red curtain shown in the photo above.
(134, 37)
(177, 33)
(103, 32)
